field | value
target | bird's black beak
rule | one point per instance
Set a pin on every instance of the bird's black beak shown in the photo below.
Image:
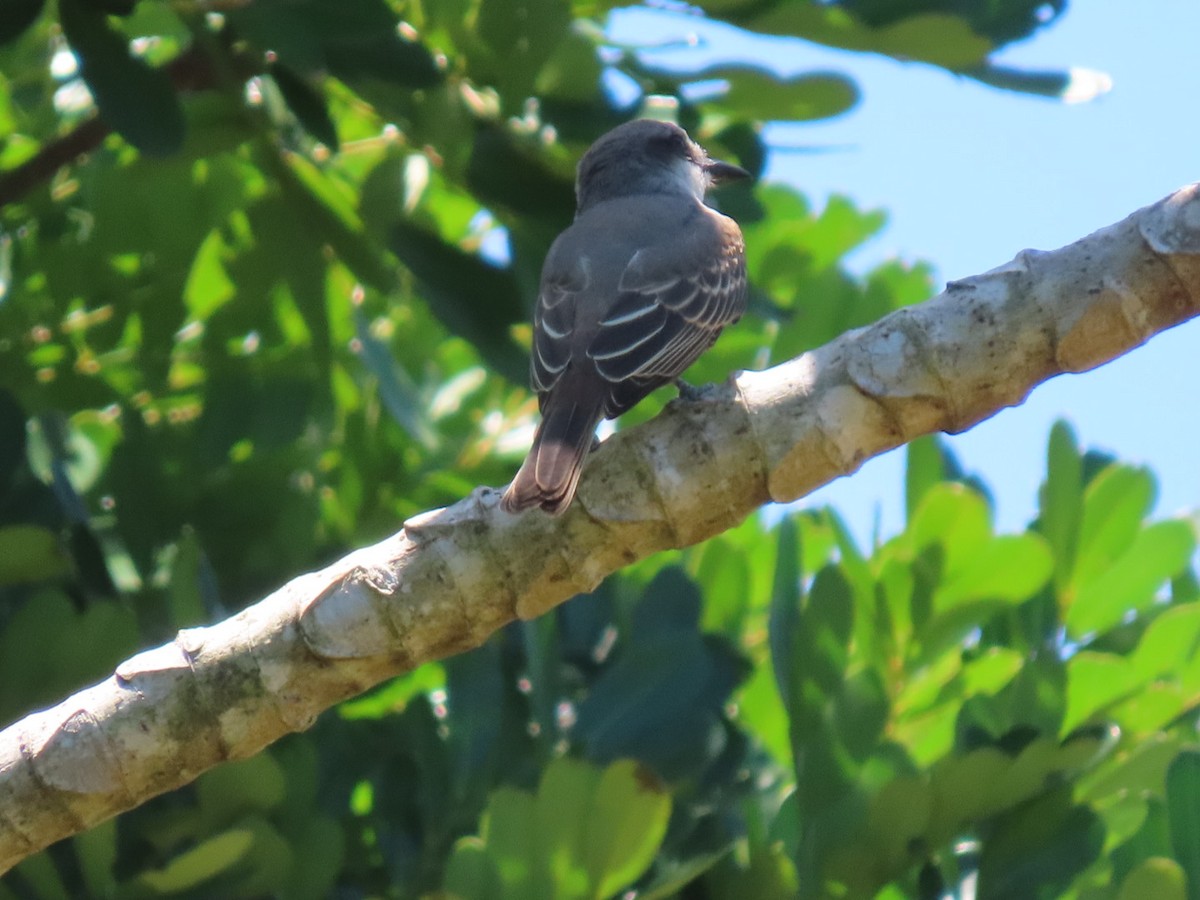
(721, 172)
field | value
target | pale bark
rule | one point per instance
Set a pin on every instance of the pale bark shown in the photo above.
(451, 577)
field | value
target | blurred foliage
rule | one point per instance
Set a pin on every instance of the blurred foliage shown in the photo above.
(265, 273)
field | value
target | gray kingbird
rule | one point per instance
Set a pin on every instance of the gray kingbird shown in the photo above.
(631, 294)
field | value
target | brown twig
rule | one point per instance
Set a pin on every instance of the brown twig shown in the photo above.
(41, 167)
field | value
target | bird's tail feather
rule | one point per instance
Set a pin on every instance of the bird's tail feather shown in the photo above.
(550, 473)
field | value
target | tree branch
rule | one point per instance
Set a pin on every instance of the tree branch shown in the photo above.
(451, 577)
(20, 180)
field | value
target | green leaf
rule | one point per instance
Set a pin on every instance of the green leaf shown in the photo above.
(826, 627)
(12, 441)
(954, 517)
(1183, 813)
(990, 672)
(785, 609)
(471, 297)
(206, 860)
(18, 15)
(508, 173)
(190, 594)
(1045, 762)
(354, 39)
(244, 405)
(1154, 707)
(40, 873)
(759, 94)
(397, 390)
(230, 791)
(319, 210)
(1114, 505)
(761, 711)
(860, 713)
(899, 817)
(520, 37)
(896, 283)
(1004, 22)
(562, 831)
(671, 876)
(507, 831)
(1095, 680)
(767, 875)
(208, 284)
(724, 568)
(966, 787)
(1168, 642)
(816, 670)
(661, 701)
(586, 834)
(137, 100)
(216, 124)
(625, 826)
(573, 70)
(471, 872)
(924, 685)
(1072, 85)
(940, 39)
(49, 649)
(1061, 499)
(266, 867)
(476, 694)
(29, 554)
(1153, 835)
(97, 852)
(1158, 878)
(924, 467)
(1131, 583)
(1039, 849)
(307, 105)
(1010, 568)
(395, 694)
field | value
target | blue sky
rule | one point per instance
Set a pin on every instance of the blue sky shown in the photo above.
(971, 175)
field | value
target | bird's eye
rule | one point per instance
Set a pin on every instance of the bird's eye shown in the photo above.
(676, 144)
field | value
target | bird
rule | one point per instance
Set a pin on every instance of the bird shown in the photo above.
(632, 292)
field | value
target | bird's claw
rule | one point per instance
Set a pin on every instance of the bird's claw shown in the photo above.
(691, 392)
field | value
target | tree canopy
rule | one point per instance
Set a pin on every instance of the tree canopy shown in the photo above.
(266, 270)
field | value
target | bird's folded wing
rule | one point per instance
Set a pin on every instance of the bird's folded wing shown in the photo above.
(674, 300)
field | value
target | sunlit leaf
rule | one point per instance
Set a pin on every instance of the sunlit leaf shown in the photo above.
(1114, 505)
(1130, 583)
(1158, 877)
(1095, 680)
(625, 826)
(193, 867)
(1010, 567)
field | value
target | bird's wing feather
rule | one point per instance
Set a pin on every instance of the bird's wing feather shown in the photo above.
(554, 322)
(674, 299)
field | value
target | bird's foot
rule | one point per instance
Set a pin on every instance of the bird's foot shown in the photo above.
(691, 393)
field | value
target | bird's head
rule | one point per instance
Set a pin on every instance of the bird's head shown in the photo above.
(647, 156)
